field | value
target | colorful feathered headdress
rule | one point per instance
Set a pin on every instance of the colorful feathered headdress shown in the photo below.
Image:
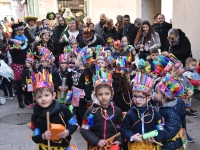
(18, 25)
(72, 39)
(143, 83)
(64, 58)
(42, 80)
(160, 64)
(103, 77)
(175, 61)
(86, 55)
(130, 48)
(76, 51)
(170, 87)
(30, 57)
(47, 55)
(44, 29)
(87, 34)
(144, 65)
(123, 65)
(101, 54)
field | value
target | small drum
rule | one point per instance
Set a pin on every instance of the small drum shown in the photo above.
(2, 100)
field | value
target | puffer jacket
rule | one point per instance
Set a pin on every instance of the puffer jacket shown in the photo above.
(101, 128)
(172, 112)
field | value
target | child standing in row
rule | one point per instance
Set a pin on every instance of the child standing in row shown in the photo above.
(172, 109)
(26, 80)
(142, 117)
(82, 83)
(101, 121)
(44, 95)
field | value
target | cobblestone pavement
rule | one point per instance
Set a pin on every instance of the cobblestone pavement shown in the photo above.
(17, 137)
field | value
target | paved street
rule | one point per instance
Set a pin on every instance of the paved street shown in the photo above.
(17, 137)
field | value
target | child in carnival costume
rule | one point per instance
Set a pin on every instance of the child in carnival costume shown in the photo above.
(48, 65)
(18, 47)
(172, 107)
(142, 117)
(82, 82)
(102, 120)
(117, 49)
(27, 85)
(175, 68)
(66, 73)
(74, 45)
(192, 76)
(44, 95)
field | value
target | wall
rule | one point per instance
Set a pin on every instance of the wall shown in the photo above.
(5, 9)
(147, 9)
(186, 17)
(167, 9)
(111, 8)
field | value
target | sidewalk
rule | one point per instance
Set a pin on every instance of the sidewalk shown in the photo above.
(17, 137)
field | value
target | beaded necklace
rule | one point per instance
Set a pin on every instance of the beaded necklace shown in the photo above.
(125, 100)
(141, 119)
(104, 112)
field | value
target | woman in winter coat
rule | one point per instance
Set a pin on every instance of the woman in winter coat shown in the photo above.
(146, 40)
(109, 30)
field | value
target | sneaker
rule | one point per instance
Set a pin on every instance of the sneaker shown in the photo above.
(30, 106)
(10, 97)
(193, 111)
(14, 95)
(189, 139)
(190, 114)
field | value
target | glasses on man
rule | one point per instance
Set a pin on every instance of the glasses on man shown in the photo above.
(140, 98)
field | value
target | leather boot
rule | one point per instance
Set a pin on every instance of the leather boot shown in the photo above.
(21, 105)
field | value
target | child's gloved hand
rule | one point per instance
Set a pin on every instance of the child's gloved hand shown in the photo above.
(46, 135)
(63, 134)
(102, 143)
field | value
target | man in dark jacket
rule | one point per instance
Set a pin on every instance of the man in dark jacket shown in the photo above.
(178, 44)
(162, 29)
(129, 30)
(58, 32)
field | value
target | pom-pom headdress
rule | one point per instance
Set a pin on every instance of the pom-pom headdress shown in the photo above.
(87, 34)
(170, 87)
(47, 55)
(30, 57)
(144, 65)
(143, 83)
(123, 65)
(103, 77)
(160, 64)
(18, 25)
(86, 55)
(42, 80)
